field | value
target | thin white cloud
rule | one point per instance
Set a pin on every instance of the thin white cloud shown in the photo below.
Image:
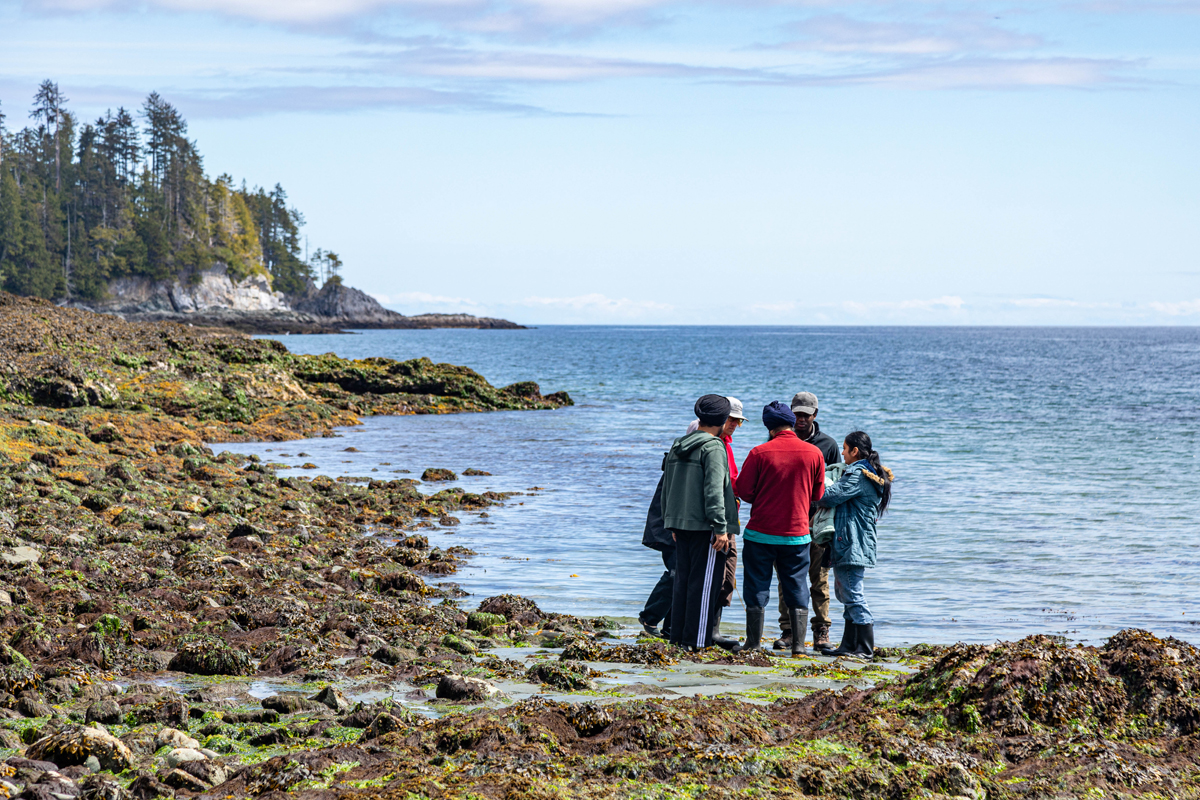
(599, 303)
(424, 298)
(840, 33)
(1177, 309)
(519, 66)
(259, 100)
(945, 303)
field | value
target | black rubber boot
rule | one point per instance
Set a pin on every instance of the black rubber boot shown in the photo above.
(717, 638)
(864, 647)
(799, 617)
(849, 642)
(755, 619)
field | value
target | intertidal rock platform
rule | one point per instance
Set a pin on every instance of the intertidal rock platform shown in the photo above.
(177, 621)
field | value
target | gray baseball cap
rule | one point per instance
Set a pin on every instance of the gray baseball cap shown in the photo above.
(804, 403)
(735, 408)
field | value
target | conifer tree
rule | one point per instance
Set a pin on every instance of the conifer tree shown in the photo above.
(47, 107)
(83, 204)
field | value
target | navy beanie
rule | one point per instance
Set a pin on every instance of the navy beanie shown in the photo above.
(712, 409)
(777, 415)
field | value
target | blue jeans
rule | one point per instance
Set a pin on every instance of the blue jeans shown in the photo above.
(848, 588)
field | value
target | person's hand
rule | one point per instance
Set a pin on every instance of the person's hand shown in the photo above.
(722, 542)
(673, 539)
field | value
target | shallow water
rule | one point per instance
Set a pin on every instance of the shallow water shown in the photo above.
(1046, 477)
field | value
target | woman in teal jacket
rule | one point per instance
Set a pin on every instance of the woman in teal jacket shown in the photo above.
(859, 498)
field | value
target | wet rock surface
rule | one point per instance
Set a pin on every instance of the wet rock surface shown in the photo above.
(180, 622)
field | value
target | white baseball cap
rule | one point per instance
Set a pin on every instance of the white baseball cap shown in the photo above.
(735, 408)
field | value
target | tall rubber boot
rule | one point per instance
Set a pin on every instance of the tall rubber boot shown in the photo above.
(755, 619)
(849, 642)
(799, 618)
(717, 638)
(865, 645)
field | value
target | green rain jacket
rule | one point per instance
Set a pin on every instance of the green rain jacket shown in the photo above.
(697, 494)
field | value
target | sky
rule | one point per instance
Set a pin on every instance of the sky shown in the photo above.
(679, 162)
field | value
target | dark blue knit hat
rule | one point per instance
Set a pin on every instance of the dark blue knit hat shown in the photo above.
(712, 409)
(777, 415)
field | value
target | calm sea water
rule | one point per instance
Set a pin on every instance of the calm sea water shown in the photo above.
(1046, 478)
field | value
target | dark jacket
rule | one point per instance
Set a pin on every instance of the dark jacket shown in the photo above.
(656, 536)
(781, 479)
(697, 494)
(855, 500)
(825, 443)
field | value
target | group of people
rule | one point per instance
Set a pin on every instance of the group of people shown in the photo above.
(813, 508)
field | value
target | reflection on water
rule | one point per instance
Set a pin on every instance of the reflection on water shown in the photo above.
(1044, 476)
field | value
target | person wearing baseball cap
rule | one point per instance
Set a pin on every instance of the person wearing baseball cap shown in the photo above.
(804, 406)
(700, 510)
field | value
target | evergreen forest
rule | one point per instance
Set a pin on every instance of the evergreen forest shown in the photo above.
(84, 203)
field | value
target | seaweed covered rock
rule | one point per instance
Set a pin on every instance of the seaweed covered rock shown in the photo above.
(208, 655)
(513, 608)
(484, 623)
(570, 676)
(1012, 686)
(75, 744)
(1161, 677)
(395, 720)
(437, 474)
(585, 648)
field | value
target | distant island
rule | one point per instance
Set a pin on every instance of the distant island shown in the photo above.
(121, 218)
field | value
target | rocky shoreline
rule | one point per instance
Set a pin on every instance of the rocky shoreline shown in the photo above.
(181, 621)
(212, 298)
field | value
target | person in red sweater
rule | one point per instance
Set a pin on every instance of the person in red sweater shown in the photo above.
(781, 480)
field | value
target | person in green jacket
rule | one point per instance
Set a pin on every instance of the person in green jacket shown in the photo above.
(699, 508)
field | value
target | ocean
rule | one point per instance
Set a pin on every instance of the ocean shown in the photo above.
(1046, 478)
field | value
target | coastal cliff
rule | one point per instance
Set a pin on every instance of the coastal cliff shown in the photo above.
(214, 298)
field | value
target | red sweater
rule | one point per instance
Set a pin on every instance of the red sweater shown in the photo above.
(781, 479)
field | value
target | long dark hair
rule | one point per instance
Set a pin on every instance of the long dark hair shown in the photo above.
(862, 442)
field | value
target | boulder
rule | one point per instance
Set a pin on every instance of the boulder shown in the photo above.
(148, 787)
(180, 779)
(210, 772)
(569, 676)
(332, 698)
(209, 655)
(29, 706)
(384, 724)
(106, 712)
(463, 688)
(181, 755)
(170, 737)
(98, 787)
(73, 745)
(288, 703)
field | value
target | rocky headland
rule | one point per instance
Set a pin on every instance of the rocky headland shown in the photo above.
(214, 298)
(178, 621)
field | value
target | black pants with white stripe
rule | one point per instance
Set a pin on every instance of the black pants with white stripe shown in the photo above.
(699, 571)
